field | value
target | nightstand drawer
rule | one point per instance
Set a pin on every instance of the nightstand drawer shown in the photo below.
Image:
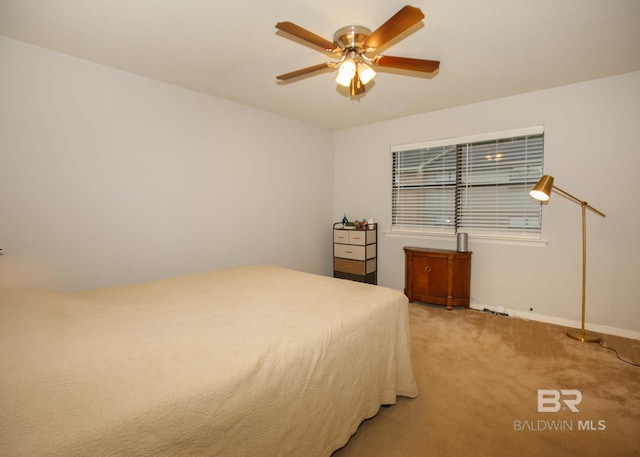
(362, 237)
(357, 267)
(348, 266)
(358, 237)
(348, 251)
(341, 236)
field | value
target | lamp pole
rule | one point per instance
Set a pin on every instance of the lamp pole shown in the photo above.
(581, 334)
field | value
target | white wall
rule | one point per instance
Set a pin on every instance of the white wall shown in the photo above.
(591, 148)
(110, 178)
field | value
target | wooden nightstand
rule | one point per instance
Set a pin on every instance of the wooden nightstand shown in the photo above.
(438, 276)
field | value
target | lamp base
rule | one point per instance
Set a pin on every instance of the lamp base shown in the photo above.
(585, 336)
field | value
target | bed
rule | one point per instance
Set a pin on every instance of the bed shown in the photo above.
(248, 361)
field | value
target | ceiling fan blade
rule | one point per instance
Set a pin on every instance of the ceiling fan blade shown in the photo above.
(398, 23)
(405, 63)
(303, 71)
(306, 35)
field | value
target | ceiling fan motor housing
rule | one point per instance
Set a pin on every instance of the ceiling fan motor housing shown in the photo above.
(351, 37)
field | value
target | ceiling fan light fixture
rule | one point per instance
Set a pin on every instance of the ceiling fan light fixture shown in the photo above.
(356, 48)
(366, 73)
(356, 87)
(346, 72)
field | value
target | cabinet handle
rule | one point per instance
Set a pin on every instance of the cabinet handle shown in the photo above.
(356, 237)
(428, 269)
(348, 252)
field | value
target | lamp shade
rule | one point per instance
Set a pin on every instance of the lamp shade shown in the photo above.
(542, 190)
(366, 73)
(346, 72)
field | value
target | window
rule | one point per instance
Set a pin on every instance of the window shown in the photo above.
(478, 185)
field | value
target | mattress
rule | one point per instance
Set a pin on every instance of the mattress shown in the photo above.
(246, 361)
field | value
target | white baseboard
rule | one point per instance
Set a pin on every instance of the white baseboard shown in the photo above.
(605, 329)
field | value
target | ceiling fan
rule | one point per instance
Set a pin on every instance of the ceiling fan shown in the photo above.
(355, 46)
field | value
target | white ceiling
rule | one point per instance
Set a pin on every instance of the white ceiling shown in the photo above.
(230, 48)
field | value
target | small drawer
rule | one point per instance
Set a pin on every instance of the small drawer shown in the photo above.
(358, 237)
(356, 267)
(341, 236)
(348, 251)
(362, 237)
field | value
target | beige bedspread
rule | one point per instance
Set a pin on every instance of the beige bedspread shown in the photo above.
(248, 361)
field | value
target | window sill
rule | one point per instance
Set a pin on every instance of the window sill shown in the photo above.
(485, 239)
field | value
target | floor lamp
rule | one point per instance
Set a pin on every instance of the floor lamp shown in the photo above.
(542, 192)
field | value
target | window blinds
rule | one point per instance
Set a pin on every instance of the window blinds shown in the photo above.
(424, 188)
(493, 189)
(478, 187)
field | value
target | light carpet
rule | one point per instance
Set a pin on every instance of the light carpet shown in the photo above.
(479, 377)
